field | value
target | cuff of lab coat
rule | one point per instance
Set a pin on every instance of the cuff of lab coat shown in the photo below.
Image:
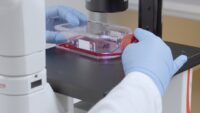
(144, 79)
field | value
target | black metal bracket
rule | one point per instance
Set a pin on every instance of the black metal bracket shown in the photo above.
(150, 16)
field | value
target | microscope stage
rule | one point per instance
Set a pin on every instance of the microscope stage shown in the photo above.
(90, 79)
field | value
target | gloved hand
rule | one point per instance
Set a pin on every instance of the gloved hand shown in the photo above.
(59, 15)
(152, 57)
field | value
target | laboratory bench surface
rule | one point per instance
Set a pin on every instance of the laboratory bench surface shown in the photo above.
(89, 79)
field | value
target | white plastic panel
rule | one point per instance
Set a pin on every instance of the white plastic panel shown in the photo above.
(23, 85)
(22, 66)
(43, 101)
(177, 98)
(22, 29)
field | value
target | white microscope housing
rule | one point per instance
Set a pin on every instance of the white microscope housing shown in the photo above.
(23, 81)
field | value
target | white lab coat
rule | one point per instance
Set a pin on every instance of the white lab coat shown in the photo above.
(137, 93)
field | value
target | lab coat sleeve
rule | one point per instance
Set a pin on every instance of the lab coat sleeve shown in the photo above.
(137, 93)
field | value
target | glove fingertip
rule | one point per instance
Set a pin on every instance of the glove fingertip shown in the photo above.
(179, 62)
(138, 32)
(72, 20)
(184, 58)
(69, 17)
(60, 38)
(55, 37)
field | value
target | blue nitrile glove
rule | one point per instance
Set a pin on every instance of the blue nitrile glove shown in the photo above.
(58, 15)
(152, 57)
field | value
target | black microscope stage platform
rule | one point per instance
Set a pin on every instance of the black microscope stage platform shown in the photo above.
(89, 79)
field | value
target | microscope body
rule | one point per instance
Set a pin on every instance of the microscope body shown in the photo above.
(23, 79)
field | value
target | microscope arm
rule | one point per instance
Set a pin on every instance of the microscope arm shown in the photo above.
(150, 16)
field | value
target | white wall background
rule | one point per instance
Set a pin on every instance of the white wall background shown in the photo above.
(80, 5)
(77, 4)
(181, 8)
